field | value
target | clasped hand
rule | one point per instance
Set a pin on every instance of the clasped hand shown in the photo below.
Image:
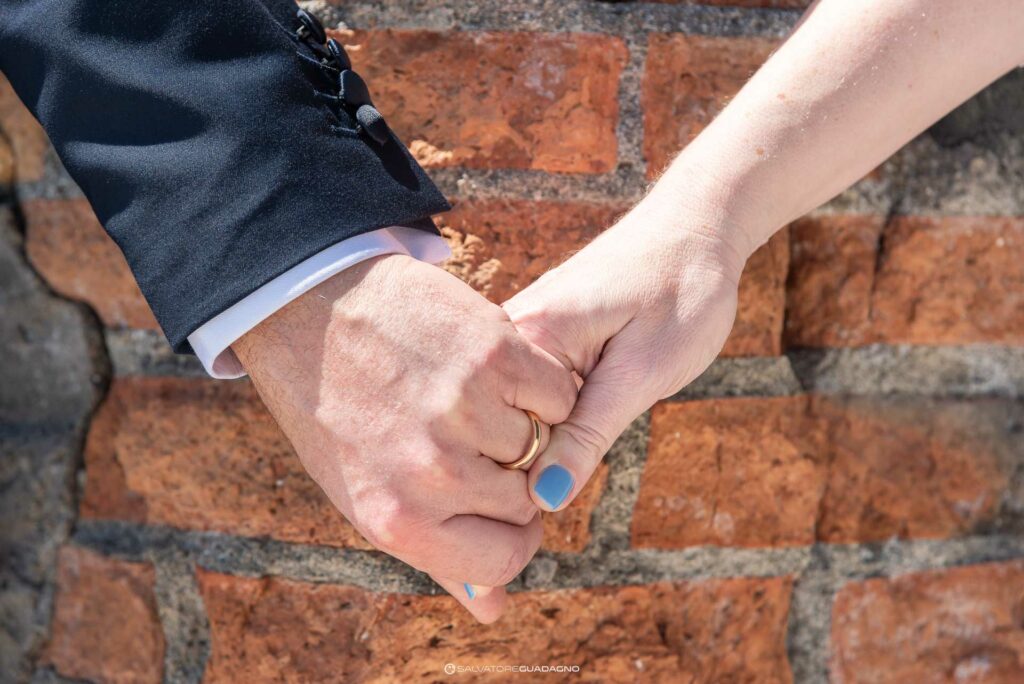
(403, 390)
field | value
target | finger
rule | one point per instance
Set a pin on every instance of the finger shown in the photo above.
(609, 401)
(490, 491)
(543, 384)
(486, 604)
(509, 434)
(481, 551)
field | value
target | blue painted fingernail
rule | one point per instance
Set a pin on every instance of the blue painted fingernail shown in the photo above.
(553, 485)
(469, 591)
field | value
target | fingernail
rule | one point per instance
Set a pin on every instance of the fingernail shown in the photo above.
(553, 485)
(470, 592)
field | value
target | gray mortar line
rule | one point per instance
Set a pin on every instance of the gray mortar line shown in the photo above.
(967, 371)
(182, 616)
(376, 571)
(956, 372)
(999, 196)
(147, 353)
(833, 566)
(546, 16)
(612, 516)
(630, 127)
(47, 675)
(808, 629)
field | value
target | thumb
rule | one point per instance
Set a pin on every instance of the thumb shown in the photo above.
(486, 604)
(608, 402)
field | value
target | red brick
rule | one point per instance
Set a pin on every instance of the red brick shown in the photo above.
(22, 136)
(730, 472)
(949, 280)
(760, 315)
(915, 469)
(273, 629)
(794, 470)
(497, 100)
(953, 280)
(960, 625)
(105, 623)
(832, 276)
(688, 80)
(206, 455)
(68, 246)
(501, 246)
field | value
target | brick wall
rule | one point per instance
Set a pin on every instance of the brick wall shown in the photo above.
(839, 498)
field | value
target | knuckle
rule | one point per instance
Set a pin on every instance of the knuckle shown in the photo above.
(517, 557)
(566, 397)
(446, 472)
(590, 441)
(501, 352)
(522, 511)
(448, 405)
(391, 526)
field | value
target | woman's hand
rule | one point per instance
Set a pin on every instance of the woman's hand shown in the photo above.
(639, 313)
(646, 307)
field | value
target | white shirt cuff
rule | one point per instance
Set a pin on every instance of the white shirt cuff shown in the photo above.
(212, 341)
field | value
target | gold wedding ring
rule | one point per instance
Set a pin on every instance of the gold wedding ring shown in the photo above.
(534, 451)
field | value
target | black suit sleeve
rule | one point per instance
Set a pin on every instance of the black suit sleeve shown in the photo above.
(211, 139)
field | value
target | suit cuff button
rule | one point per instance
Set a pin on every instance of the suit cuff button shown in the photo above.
(352, 89)
(339, 55)
(311, 27)
(373, 123)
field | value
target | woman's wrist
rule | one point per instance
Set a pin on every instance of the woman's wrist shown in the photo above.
(715, 189)
(676, 234)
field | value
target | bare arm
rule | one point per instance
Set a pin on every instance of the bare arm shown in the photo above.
(643, 309)
(854, 82)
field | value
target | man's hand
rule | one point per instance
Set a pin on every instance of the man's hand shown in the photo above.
(401, 390)
(639, 313)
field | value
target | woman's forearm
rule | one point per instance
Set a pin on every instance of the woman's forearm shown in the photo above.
(853, 83)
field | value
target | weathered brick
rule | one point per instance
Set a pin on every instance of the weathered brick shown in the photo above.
(957, 625)
(501, 246)
(831, 280)
(26, 142)
(730, 472)
(915, 469)
(202, 454)
(266, 629)
(687, 81)
(497, 100)
(951, 280)
(918, 280)
(105, 623)
(206, 455)
(760, 314)
(68, 246)
(793, 470)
